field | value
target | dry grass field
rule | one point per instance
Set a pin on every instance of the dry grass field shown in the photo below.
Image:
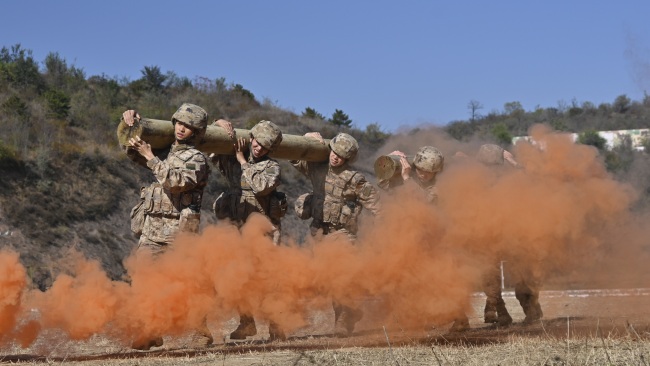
(579, 328)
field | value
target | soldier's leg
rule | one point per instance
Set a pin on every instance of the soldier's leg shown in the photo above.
(276, 333)
(246, 327)
(148, 247)
(461, 323)
(492, 289)
(345, 319)
(202, 337)
(495, 307)
(528, 297)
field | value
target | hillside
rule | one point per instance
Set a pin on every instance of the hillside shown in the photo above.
(67, 185)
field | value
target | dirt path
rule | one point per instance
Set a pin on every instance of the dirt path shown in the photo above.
(575, 315)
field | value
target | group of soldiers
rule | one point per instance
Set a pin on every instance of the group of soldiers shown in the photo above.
(339, 193)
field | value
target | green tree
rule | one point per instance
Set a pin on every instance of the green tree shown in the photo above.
(153, 79)
(513, 108)
(107, 90)
(621, 104)
(18, 67)
(591, 137)
(339, 118)
(374, 134)
(59, 76)
(501, 134)
(58, 103)
(177, 82)
(312, 113)
(460, 130)
(16, 107)
(239, 89)
(621, 157)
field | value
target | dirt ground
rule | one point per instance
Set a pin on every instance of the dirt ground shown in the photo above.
(597, 314)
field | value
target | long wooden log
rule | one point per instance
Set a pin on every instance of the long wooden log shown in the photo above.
(160, 134)
(389, 167)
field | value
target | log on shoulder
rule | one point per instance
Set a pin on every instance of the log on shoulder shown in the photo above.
(160, 134)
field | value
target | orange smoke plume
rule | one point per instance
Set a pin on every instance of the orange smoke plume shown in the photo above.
(418, 262)
(13, 280)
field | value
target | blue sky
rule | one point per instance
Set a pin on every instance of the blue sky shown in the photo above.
(395, 63)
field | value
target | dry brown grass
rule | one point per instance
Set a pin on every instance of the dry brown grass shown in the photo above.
(518, 350)
(563, 338)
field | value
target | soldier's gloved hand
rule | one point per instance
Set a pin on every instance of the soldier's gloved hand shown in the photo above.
(130, 117)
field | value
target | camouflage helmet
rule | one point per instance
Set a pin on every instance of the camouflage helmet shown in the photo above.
(429, 159)
(490, 154)
(267, 134)
(193, 116)
(345, 146)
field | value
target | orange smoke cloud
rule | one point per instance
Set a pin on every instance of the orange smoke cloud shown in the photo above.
(13, 280)
(421, 261)
(82, 303)
(542, 218)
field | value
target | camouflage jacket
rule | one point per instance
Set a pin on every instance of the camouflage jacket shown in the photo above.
(339, 194)
(250, 187)
(173, 202)
(428, 188)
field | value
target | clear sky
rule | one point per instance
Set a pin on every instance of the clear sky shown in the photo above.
(391, 62)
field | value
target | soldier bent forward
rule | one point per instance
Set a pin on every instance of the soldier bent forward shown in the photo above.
(339, 194)
(253, 179)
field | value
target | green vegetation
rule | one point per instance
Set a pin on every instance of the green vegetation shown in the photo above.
(340, 119)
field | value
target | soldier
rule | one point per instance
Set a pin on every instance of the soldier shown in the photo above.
(428, 163)
(339, 194)
(527, 286)
(253, 179)
(172, 204)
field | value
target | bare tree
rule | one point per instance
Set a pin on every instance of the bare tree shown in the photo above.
(474, 106)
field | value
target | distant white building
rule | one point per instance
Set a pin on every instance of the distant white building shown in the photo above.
(613, 138)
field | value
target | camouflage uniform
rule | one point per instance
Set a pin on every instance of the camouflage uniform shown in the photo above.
(252, 187)
(338, 197)
(431, 160)
(527, 285)
(339, 194)
(172, 204)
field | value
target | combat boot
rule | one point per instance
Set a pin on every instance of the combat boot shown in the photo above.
(147, 344)
(245, 329)
(276, 333)
(533, 310)
(503, 319)
(346, 321)
(461, 324)
(202, 337)
(490, 311)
